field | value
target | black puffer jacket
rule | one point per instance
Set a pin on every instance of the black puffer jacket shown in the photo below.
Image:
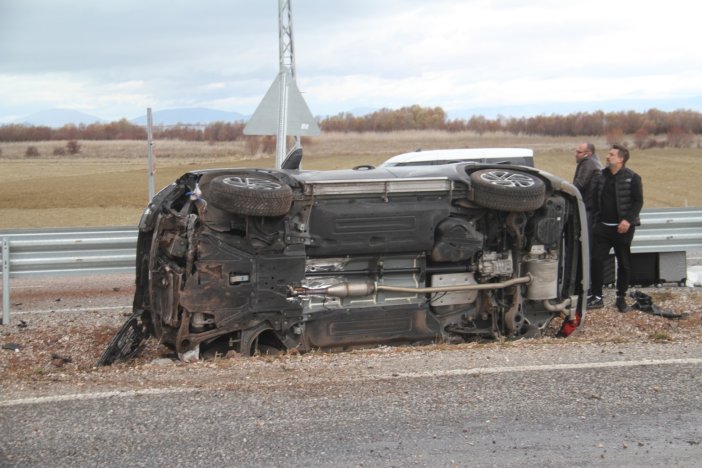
(629, 195)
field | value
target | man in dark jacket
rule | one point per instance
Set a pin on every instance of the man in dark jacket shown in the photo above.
(587, 172)
(618, 202)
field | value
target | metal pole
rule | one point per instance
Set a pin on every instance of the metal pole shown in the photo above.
(150, 152)
(5, 281)
(286, 50)
(281, 142)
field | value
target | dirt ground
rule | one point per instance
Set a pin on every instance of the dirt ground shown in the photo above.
(44, 352)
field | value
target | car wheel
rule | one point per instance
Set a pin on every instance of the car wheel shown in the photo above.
(250, 195)
(507, 190)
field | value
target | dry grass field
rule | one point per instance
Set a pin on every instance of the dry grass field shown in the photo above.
(106, 184)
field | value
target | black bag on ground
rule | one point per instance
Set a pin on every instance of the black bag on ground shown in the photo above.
(644, 303)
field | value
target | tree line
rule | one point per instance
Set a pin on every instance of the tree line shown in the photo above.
(680, 126)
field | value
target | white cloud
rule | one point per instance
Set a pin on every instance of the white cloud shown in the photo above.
(117, 58)
(32, 89)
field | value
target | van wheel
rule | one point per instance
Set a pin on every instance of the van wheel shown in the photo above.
(250, 195)
(507, 190)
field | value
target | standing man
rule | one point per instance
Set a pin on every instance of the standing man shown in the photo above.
(587, 172)
(618, 202)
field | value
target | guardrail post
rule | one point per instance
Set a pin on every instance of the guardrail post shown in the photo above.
(5, 281)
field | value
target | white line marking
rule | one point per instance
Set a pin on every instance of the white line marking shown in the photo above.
(77, 309)
(550, 367)
(445, 373)
(93, 396)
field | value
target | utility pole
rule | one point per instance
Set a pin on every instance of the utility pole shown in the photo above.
(150, 151)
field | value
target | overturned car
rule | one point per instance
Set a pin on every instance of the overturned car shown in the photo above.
(262, 260)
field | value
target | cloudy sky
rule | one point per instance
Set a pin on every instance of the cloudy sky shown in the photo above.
(115, 58)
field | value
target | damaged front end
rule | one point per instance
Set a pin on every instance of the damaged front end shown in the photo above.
(260, 261)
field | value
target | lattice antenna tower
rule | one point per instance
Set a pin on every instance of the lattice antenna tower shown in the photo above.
(286, 50)
(285, 36)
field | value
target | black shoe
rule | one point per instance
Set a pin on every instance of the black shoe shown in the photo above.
(595, 302)
(622, 305)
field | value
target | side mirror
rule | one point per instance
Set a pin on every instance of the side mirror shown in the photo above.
(293, 159)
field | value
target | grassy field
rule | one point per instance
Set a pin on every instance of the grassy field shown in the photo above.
(106, 185)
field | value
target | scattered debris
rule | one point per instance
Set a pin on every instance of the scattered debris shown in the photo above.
(58, 360)
(22, 324)
(127, 342)
(61, 357)
(644, 303)
(162, 362)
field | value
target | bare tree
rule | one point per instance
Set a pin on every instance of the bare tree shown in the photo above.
(73, 147)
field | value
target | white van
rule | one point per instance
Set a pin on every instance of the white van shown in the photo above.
(516, 156)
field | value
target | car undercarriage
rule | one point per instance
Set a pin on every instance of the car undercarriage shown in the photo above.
(263, 261)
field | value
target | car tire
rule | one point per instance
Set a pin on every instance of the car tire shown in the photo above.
(507, 190)
(253, 195)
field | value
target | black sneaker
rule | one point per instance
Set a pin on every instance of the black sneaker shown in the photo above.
(621, 304)
(595, 302)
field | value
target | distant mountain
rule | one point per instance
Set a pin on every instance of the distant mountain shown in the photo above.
(190, 115)
(58, 118)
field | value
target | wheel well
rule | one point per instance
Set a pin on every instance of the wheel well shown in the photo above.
(267, 342)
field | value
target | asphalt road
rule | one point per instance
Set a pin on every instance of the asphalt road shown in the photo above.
(607, 404)
(628, 406)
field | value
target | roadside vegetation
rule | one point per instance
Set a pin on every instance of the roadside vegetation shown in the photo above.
(653, 128)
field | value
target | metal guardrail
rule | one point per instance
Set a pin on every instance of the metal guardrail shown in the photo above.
(112, 250)
(61, 251)
(82, 251)
(669, 230)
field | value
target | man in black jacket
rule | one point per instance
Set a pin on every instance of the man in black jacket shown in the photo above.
(587, 172)
(618, 202)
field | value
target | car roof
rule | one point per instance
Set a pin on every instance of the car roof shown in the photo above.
(463, 154)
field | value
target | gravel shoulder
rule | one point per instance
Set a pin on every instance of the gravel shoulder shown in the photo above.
(50, 353)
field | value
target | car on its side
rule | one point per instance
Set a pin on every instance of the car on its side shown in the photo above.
(268, 260)
(514, 156)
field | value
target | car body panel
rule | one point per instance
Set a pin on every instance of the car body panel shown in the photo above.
(513, 156)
